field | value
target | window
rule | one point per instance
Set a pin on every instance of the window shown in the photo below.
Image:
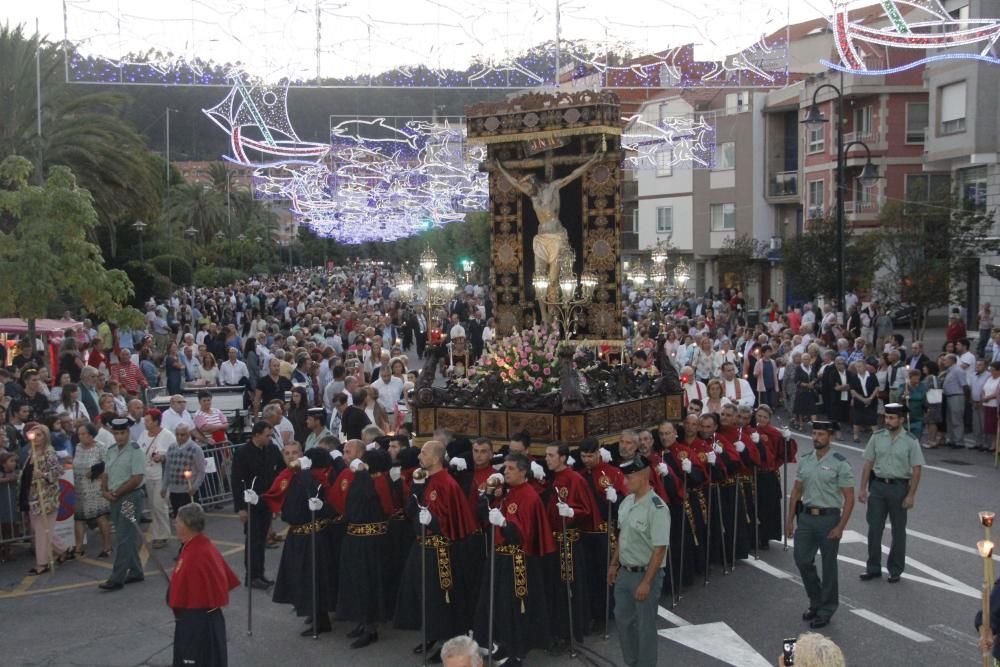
(815, 200)
(725, 156)
(665, 162)
(862, 193)
(862, 121)
(664, 219)
(635, 222)
(814, 138)
(926, 187)
(916, 122)
(723, 217)
(951, 99)
(972, 188)
(961, 13)
(737, 102)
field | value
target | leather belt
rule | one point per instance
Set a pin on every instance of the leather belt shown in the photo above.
(892, 480)
(630, 568)
(819, 511)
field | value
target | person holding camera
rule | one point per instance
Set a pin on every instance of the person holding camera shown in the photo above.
(822, 501)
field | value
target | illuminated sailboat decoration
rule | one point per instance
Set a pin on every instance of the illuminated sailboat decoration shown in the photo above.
(939, 31)
(256, 120)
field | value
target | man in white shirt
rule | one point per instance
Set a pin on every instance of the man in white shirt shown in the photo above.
(177, 414)
(694, 389)
(737, 390)
(282, 431)
(390, 389)
(154, 444)
(192, 364)
(232, 371)
(808, 316)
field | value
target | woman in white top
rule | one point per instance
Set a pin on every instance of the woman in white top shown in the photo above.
(489, 333)
(716, 398)
(70, 403)
(991, 391)
(703, 361)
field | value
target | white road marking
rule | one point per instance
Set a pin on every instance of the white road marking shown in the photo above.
(719, 641)
(671, 617)
(961, 590)
(939, 540)
(891, 625)
(770, 569)
(939, 575)
(955, 634)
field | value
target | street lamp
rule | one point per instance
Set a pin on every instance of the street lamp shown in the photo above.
(572, 296)
(242, 239)
(681, 275)
(139, 226)
(405, 284)
(190, 232)
(869, 174)
(428, 260)
(467, 265)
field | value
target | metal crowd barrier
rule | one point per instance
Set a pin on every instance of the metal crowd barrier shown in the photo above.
(14, 525)
(216, 489)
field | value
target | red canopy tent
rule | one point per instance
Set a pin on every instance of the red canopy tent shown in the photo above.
(15, 325)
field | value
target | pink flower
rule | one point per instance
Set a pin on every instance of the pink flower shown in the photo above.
(547, 371)
(538, 383)
(550, 356)
(534, 367)
(503, 375)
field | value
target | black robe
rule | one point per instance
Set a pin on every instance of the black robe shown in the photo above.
(361, 596)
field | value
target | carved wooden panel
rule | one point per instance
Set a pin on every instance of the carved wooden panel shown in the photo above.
(675, 407)
(625, 415)
(539, 426)
(572, 429)
(458, 420)
(425, 421)
(493, 424)
(654, 410)
(597, 421)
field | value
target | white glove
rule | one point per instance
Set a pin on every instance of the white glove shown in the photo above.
(611, 494)
(686, 465)
(716, 447)
(497, 479)
(605, 455)
(424, 517)
(740, 447)
(755, 437)
(250, 497)
(661, 468)
(786, 433)
(394, 473)
(335, 454)
(315, 504)
(496, 518)
(711, 458)
(371, 446)
(458, 463)
(565, 510)
(305, 462)
(537, 471)
(356, 465)
(570, 462)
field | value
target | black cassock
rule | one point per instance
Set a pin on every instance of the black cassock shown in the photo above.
(364, 557)
(294, 583)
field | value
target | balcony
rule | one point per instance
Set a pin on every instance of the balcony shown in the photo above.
(852, 207)
(783, 184)
(869, 137)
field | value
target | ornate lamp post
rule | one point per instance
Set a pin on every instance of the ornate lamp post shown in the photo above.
(572, 296)
(140, 226)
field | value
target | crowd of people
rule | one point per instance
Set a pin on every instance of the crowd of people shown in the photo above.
(324, 361)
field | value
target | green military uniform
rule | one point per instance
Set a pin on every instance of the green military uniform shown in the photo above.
(121, 463)
(894, 459)
(644, 525)
(312, 440)
(823, 479)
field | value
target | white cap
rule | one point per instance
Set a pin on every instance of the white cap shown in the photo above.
(457, 331)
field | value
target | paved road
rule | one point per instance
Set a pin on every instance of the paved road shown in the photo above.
(739, 619)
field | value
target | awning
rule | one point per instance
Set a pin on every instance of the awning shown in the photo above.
(14, 325)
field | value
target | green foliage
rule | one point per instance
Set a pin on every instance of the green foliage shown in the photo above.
(925, 251)
(176, 269)
(45, 254)
(810, 260)
(148, 282)
(741, 257)
(214, 276)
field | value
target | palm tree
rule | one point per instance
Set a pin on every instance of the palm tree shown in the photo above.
(199, 206)
(84, 132)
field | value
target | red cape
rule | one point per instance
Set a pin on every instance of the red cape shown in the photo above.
(736, 434)
(201, 579)
(478, 485)
(275, 496)
(522, 507)
(445, 500)
(569, 487)
(776, 447)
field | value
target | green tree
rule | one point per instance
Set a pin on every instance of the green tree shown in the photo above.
(84, 132)
(741, 258)
(199, 207)
(926, 252)
(45, 254)
(810, 260)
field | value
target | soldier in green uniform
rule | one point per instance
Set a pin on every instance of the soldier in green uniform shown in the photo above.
(822, 499)
(121, 484)
(636, 569)
(889, 482)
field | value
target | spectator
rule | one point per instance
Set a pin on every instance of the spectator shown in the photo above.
(956, 327)
(461, 651)
(815, 650)
(184, 456)
(128, 375)
(92, 508)
(955, 386)
(208, 376)
(233, 372)
(39, 497)
(177, 413)
(210, 423)
(155, 443)
(10, 513)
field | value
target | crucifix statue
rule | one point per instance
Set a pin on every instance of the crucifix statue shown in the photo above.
(551, 241)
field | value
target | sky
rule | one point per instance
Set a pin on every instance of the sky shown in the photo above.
(278, 38)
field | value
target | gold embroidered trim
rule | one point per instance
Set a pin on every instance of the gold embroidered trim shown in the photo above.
(310, 528)
(368, 529)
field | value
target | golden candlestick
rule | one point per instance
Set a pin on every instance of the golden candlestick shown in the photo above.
(187, 476)
(985, 548)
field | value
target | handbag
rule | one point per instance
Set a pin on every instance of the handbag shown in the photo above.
(935, 396)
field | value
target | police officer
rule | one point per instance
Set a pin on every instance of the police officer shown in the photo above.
(894, 456)
(822, 499)
(636, 569)
(121, 485)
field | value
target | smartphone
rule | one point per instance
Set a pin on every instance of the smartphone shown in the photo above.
(788, 651)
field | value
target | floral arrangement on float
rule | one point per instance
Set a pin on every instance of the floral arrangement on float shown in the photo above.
(527, 361)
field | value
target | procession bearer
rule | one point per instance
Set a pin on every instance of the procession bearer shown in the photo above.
(822, 499)
(893, 461)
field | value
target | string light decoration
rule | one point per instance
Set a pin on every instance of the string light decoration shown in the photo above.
(675, 141)
(854, 40)
(428, 43)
